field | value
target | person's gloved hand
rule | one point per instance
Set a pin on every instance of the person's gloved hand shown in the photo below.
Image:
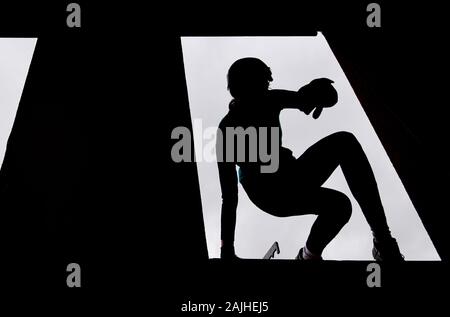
(318, 94)
(227, 253)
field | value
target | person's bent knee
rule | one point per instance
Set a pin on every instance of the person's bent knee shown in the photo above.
(343, 210)
(346, 142)
(344, 137)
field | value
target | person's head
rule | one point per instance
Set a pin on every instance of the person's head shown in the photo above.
(248, 77)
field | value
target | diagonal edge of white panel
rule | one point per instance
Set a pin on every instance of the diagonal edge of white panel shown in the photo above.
(15, 59)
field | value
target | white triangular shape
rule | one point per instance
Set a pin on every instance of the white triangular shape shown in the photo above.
(15, 60)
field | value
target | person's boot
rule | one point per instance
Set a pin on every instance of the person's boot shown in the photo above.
(386, 250)
(301, 256)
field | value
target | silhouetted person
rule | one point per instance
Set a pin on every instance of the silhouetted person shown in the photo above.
(296, 186)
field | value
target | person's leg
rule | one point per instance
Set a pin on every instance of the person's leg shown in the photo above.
(333, 210)
(299, 192)
(284, 198)
(319, 161)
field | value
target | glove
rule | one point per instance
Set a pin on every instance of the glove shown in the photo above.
(318, 94)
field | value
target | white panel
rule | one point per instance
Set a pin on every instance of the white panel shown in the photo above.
(295, 61)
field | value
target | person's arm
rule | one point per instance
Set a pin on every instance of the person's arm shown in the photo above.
(289, 99)
(318, 94)
(229, 187)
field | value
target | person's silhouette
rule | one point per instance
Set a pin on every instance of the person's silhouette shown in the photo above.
(296, 186)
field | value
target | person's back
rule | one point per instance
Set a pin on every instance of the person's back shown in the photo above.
(255, 122)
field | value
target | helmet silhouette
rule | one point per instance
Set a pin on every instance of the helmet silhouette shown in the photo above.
(248, 76)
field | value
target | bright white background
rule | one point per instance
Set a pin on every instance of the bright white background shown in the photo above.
(15, 59)
(294, 62)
